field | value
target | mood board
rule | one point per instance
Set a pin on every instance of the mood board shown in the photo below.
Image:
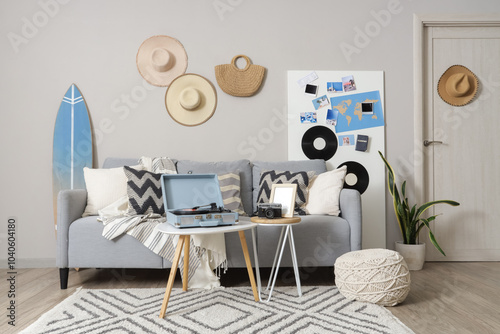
(338, 116)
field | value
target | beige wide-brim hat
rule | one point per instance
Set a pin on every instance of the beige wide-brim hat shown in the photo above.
(161, 59)
(191, 99)
(458, 85)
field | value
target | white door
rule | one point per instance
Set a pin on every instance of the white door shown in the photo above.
(465, 167)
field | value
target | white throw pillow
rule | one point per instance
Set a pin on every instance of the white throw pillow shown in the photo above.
(104, 186)
(324, 192)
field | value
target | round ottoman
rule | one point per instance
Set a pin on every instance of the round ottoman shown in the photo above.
(378, 276)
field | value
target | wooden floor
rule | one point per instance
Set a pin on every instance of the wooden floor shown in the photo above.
(444, 297)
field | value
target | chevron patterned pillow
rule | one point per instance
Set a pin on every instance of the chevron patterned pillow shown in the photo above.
(302, 179)
(144, 192)
(230, 187)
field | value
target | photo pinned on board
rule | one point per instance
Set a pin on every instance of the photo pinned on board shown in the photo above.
(321, 102)
(334, 87)
(332, 116)
(308, 117)
(307, 79)
(347, 140)
(348, 83)
(311, 90)
(367, 108)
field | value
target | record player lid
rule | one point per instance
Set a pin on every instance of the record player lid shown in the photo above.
(189, 190)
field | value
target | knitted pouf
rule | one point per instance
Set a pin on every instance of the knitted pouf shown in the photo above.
(378, 276)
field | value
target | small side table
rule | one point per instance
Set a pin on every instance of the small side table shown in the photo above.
(286, 228)
(184, 238)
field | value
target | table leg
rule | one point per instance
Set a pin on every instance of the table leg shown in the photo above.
(294, 260)
(186, 263)
(278, 265)
(256, 261)
(275, 257)
(249, 264)
(171, 277)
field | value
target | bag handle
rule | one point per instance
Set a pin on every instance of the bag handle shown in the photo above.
(233, 62)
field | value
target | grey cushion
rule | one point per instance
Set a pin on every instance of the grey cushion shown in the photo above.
(89, 249)
(350, 209)
(119, 162)
(317, 165)
(220, 167)
(70, 207)
(319, 240)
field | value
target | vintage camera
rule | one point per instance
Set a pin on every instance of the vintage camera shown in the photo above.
(269, 210)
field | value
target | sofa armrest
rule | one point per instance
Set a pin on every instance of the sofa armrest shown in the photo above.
(350, 210)
(70, 207)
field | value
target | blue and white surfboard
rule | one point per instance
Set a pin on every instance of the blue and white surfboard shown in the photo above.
(72, 148)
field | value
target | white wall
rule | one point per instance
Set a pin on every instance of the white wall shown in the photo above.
(94, 44)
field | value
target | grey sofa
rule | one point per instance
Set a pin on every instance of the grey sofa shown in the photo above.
(319, 239)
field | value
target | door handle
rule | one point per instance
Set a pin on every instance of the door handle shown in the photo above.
(428, 142)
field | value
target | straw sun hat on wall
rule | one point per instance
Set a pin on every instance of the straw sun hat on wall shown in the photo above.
(161, 59)
(191, 99)
(458, 85)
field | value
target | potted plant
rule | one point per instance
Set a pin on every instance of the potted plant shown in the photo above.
(411, 222)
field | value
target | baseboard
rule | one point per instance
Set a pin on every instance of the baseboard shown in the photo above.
(31, 263)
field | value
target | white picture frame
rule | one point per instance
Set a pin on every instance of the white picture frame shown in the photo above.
(284, 194)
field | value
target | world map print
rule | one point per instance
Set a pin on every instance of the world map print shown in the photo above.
(351, 116)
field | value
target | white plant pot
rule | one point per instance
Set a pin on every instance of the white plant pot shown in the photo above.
(414, 255)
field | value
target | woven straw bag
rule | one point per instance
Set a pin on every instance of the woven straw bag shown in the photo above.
(239, 82)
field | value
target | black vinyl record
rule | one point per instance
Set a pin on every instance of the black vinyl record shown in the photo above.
(361, 174)
(182, 212)
(319, 132)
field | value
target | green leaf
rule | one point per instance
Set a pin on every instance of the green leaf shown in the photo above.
(400, 214)
(431, 218)
(390, 174)
(408, 212)
(431, 236)
(393, 189)
(427, 205)
(412, 212)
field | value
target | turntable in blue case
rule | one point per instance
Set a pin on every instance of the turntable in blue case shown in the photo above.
(195, 200)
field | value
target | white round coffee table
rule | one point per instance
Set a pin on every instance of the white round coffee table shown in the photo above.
(286, 228)
(184, 239)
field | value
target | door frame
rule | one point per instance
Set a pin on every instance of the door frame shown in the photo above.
(420, 22)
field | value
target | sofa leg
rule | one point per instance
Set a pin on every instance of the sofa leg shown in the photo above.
(63, 276)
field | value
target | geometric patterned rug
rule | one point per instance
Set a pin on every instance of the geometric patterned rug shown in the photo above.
(321, 309)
